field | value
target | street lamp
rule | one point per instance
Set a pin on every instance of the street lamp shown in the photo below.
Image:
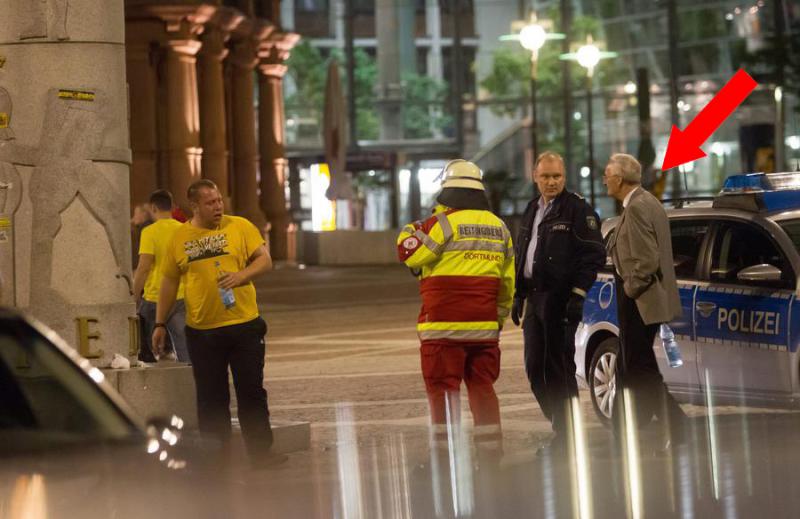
(588, 56)
(532, 36)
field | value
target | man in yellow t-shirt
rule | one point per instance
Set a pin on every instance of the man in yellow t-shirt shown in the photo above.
(217, 256)
(147, 278)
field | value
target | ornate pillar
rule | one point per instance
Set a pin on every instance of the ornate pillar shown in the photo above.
(271, 140)
(211, 90)
(166, 72)
(181, 142)
(141, 63)
(242, 61)
(64, 173)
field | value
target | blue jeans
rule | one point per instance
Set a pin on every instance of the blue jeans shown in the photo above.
(176, 324)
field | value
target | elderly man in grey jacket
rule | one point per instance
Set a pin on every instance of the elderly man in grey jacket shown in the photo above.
(647, 295)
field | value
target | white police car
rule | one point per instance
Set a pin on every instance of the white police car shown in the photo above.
(737, 260)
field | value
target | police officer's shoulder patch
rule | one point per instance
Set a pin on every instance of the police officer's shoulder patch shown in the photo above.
(591, 222)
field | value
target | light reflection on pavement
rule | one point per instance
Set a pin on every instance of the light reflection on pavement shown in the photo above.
(343, 355)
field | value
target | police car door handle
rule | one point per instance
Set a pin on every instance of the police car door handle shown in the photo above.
(705, 308)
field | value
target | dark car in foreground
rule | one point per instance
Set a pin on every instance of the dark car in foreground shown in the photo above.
(70, 447)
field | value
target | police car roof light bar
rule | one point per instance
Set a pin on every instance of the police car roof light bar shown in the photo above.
(760, 191)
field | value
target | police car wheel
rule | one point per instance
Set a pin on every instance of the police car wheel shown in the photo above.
(602, 378)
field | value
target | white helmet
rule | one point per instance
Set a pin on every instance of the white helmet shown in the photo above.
(461, 173)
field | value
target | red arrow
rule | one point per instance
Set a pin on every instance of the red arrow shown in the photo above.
(684, 146)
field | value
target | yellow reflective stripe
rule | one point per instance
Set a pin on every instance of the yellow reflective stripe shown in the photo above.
(482, 245)
(465, 335)
(447, 229)
(428, 241)
(458, 325)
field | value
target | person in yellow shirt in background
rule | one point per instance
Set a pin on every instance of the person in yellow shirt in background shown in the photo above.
(217, 256)
(147, 279)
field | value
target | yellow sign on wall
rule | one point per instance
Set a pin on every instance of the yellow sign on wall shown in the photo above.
(76, 95)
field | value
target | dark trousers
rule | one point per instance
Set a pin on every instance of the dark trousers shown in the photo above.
(242, 347)
(550, 356)
(638, 375)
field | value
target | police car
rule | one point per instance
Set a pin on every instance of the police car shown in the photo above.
(737, 261)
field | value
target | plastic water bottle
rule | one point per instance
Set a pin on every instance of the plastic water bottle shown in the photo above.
(226, 294)
(671, 348)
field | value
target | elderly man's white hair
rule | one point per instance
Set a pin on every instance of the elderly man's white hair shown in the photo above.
(628, 167)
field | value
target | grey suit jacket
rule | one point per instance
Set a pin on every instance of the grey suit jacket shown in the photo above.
(641, 248)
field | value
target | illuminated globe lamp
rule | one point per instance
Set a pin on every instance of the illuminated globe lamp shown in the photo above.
(532, 37)
(532, 34)
(589, 56)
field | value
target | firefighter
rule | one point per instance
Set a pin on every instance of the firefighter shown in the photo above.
(559, 251)
(464, 258)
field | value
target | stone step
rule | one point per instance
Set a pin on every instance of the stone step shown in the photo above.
(168, 388)
(288, 436)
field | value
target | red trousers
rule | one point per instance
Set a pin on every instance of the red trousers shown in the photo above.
(444, 365)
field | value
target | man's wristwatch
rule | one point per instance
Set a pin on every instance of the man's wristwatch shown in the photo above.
(159, 325)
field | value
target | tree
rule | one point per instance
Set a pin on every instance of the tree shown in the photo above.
(307, 67)
(423, 101)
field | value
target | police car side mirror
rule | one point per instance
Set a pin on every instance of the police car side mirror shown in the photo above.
(762, 272)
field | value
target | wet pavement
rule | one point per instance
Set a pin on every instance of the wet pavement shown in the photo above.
(343, 355)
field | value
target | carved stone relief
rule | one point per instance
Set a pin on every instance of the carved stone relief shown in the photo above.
(10, 198)
(74, 127)
(6, 133)
(43, 19)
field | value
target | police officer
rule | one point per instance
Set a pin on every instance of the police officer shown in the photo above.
(559, 250)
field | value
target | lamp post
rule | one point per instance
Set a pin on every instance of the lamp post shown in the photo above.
(532, 37)
(588, 56)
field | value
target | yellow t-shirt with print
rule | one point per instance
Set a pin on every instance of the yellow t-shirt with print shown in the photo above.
(192, 255)
(154, 241)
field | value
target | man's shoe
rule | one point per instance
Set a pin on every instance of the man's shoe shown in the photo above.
(170, 355)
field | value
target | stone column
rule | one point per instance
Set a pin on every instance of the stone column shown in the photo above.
(271, 140)
(181, 142)
(141, 60)
(242, 61)
(65, 164)
(211, 90)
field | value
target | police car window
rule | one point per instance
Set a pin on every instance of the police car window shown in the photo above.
(792, 228)
(687, 239)
(739, 245)
(609, 266)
